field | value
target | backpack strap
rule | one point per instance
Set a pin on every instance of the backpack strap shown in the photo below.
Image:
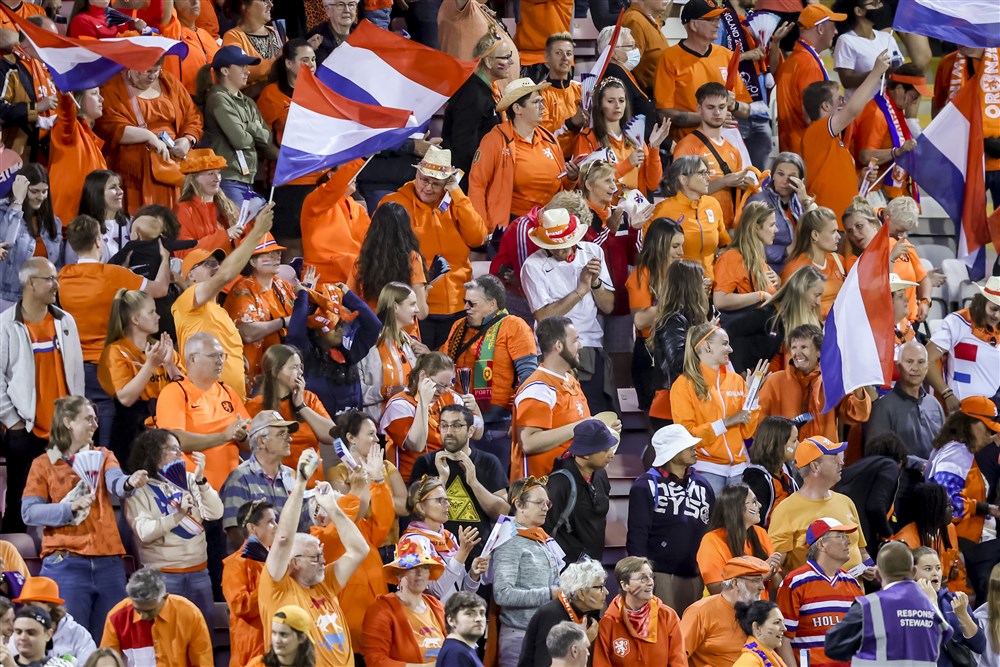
(568, 510)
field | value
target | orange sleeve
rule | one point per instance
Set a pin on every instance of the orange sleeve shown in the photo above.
(871, 134)
(120, 368)
(313, 402)
(663, 85)
(731, 277)
(584, 144)
(125, 278)
(241, 600)
(383, 514)
(38, 482)
(379, 643)
(639, 296)
(171, 409)
(397, 429)
(418, 275)
(522, 341)
(273, 106)
(602, 647)
(199, 648)
(651, 172)
(172, 30)
(534, 413)
(765, 540)
(712, 556)
(693, 629)
(239, 303)
(678, 653)
(792, 266)
(684, 406)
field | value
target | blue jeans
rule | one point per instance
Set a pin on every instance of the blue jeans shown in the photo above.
(235, 189)
(379, 17)
(757, 135)
(104, 406)
(91, 586)
(196, 587)
(718, 482)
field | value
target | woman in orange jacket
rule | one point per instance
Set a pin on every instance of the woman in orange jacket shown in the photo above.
(710, 402)
(332, 227)
(816, 242)
(930, 508)
(206, 214)
(74, 149)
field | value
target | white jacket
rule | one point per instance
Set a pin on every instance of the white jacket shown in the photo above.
(17, 364)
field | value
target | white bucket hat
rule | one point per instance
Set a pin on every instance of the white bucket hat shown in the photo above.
(670, 441)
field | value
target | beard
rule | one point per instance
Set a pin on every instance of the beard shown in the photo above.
(571, 360)
(452, 445)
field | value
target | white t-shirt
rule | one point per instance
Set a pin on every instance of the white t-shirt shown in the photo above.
(859, 54)
(972, 367)
(546, 280)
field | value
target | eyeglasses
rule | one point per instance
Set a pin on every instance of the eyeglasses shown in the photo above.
(317, 559)
(342, 6)
(471, 304)
(457, 426)
(600, 587)
(442, 387)
(642, 578)
(701, 172)
(218, 356)
(544, 503)
(439, 501)
(52, 280)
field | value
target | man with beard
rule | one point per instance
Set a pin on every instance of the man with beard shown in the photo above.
(726, 170)
(550, 403)
(473, 479)
(465, 618)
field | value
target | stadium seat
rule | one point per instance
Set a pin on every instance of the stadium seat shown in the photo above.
(935, 253)
(23, 543)
(956, 273)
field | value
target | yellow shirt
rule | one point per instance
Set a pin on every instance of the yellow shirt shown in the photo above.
(214, 319)
(791, 519)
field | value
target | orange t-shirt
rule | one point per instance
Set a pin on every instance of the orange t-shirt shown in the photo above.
(639, 294)
(561, 104)
(249, 302)
(304, 438)
(74, 152)
(539, 19)
(712, 636)
(240, 579)
(546, 400)
(732, 276)
(400, 411)
(211, 317)
(24, 10)
(208, 20)
(909, 267)
(86, 290)
(794, 75)
(681, 72)
(834, 270)
(120, 363)
(201, 49)
(692, 145)
(830, 172)
(182, 406)
(714, 553)
(50, 376)
(536, 172)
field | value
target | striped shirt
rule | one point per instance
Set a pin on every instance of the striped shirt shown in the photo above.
(249, 482)
(812, 603)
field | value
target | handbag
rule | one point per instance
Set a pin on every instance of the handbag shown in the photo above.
(165, 172)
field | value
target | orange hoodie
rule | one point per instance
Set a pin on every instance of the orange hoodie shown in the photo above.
(74, 152)
(618, 645)
(240, 578)
(790, 394)
(333, 228)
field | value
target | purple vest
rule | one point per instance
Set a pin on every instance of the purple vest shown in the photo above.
(900, 628)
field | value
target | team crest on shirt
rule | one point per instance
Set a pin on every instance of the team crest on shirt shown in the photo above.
(621, 647)
(548, 153)
(579, 408)
(228, 406)
(724, 71)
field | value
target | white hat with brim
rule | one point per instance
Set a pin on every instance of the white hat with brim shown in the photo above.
(670, 441)
(436, 163)
(557, 229)
(517, 89)
(991, 290)
(896, 283)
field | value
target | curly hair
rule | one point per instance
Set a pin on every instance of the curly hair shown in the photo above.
(387, 250)
(147, 450)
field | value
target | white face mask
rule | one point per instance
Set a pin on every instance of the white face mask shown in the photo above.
(632, 59)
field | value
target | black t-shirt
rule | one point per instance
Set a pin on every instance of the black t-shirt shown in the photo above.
(465, 510)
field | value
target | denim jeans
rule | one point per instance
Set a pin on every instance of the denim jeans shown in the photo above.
(422, 22)
(757, 135)
(718, 482)
(104, 405)
(379, 17)
(91, 586)
(235, 189)
(196, 587)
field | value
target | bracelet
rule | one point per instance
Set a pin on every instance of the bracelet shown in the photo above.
(892, 153)
(925, 300)
(947, 393)
(202, 481)
(298, 408)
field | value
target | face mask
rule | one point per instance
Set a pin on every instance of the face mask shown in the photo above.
(632, 59)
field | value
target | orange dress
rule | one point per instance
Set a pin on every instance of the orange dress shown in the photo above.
(74, 152)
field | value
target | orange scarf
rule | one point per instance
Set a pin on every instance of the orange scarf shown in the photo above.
(570, 611)
(396, 368)
(641, 624)
(536, 534)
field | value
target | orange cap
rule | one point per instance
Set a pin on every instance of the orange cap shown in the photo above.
(918, 82)
(744, 566)
(814, 14)
(982, 409)
(199, 255)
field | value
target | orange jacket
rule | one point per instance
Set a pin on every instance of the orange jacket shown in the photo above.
(240, 578)
(719, 445)
(648, 176)
(449, 233)
(333, 227)
(74, 152)
(202, 222)
(704, 227)
(390, 640)
(790, 394)
(618, 645)
(201, 50)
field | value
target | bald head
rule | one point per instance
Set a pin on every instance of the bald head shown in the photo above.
(895, 562)
(912, 364)
(200, 342)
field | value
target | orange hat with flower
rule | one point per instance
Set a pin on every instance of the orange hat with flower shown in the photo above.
(330, 310)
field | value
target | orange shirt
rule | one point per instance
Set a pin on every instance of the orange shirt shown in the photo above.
(872, 133)
(830, 172)
(794, 75)
(561, 103)
(909, 267)
(546, 400)
(259, 72)
(536, 176)
(681, 72)
(732, 276)
(651, 42)
(711, 634)
(400, 411)
(201, 49)
(833, 269)
(646, 178)
(240, 582)
(714, 553)
(208, 20)
(24, 10)
(692, 145)
(97, 535)
(178, 636)
(74, 152)
(333, 229)
(539, 19)
(202, 222)
(121, 361)
(248, 302)
(12, 561)
(304, 438)
(639, 294)
(50, 376)
(703, 224)
(182, 406)
(86, 290)
(617, 644)
(211, 317)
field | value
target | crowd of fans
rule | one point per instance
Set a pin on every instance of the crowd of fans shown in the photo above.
(313, 413)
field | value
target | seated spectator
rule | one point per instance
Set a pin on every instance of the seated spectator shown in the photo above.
(14, 569)
(410, 420)
(580, 600)
(568, 645)
(786, 192)
(872, 482)
(105, 657)
(638, 628)
(33, 629)
(408, 625)
(341, 17)
(579, 492)
(817, 241)
(743, 278)
(359, 433)
(525, 567)
(185, 26)
(967, 636)
(465, 619)
(103, 199)
(69, 638)
(290, 640)
(765, 629)
(771, 476)
(254, 37)
(733, 530)
(150, 622)
(653, 526)
(816, 596)
(563, 98)
(7, 621)
(698, 213)
(798, 390)
(709, 401)
(76, 519)
(74, 149)
(139, 107)
(926, 522)
(135, 365)
(241, 577)
(712, 636)
(206, 214)
(89, 20)
(390, 253)
(167, 514)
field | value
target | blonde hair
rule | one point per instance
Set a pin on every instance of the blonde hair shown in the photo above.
(595, 170)
(486, 45)
(748, 243)
(790, 301)
(391, 296)
(189, 190)
(696, 337)
(126, 304)
(813, 221)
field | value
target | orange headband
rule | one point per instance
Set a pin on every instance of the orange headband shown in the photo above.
(423, 481)
(707, 336)
(912, 80)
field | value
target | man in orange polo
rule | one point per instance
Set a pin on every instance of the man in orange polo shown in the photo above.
(645, 19)
(692, 62)
(817, 30)
(830, 170)
(563, 110)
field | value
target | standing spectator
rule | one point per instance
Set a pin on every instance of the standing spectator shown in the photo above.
(644, 18)
(201, 44)
(743, 278)
(74, 149)
(569, 277)
(967, 636)
(69, 638)
(40, 347)
(525, 567)
(465, 618)
(816, 596)
(819, 462)
(786, 192)
(205, 213)
(462, 29)
(536, 22)
(290, 641)
(872, 482)
(568, 645)
(341, 17)
(637, 617)
(890, 635)
(908, 410)
(254, 37)
(765, 628)
(698, 213)
(563, 99)
(712, 636)
(816, 243)
(581, 598)
(390, 253)
(443, 228)
(579, 491)
(770, 475)
(860, 44)
(139, 108)
(926, 522)
(802, 67)
(387, 365)
(235, 128)
(668, 511)
(81, 547)
(153, 625)
(103, 198)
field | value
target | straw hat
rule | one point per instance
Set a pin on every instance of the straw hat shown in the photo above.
(991, 290)
(557, 229)
(202, 159)
(517, 89)
(267, 244)
(413, 551)
(436, 163)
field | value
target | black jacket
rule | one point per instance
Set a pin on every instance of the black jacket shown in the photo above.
(470, 114)
(871, 483)
(668, 348)
(584, 532)
(533, 650)
(762, 482)
(755, 335)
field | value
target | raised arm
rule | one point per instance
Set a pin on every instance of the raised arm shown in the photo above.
(845, 116)
(237, 259)
(280, 554)
(355, 545)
